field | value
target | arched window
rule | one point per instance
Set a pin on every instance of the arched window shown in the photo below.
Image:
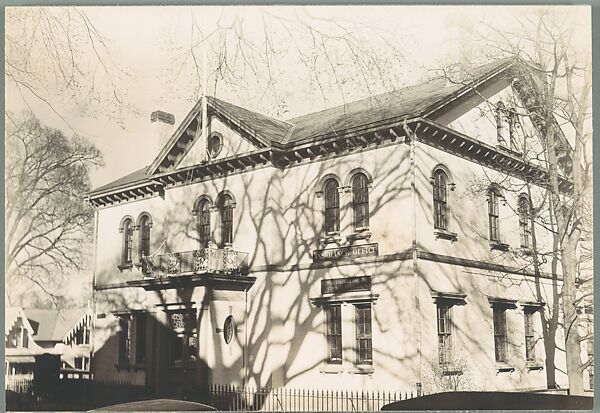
(145, 223)
(127, 241)
(440, 199)
(203, 223)
(360, 201)
(502, 124)
(494, 213)
(332, 206)
(524, 210)
(226, 213)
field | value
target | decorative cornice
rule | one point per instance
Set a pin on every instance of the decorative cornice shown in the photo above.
(427, 132)
(454, 297)
(459, 144)
(501, 301)
(183, 176)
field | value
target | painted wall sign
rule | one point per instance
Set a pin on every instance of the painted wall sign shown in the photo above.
(346, 252)
(343, 285)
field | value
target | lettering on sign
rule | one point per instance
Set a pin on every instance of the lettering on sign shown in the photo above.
(343, 285)
(353, 251)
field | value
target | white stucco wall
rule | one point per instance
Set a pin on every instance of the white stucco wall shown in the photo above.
(278, 221)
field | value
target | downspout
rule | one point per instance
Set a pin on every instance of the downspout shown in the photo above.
(411, 136)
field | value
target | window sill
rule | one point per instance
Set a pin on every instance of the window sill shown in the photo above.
(444, 234)
(498, 246)
(504, 368)
(333, 238)
(332, 369)
(534, 366)
(359, 234)
(125, 266)
(362, 369)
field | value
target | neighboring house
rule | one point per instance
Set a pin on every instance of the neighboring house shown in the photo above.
(68, 333)
(386, 244)
(20, 348)
(32, 331)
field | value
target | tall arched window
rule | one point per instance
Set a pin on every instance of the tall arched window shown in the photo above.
(494, 213)
(524, 211)
(332, 206)
(226, 213)
(440, 199)
(360, 201)
(203, 217)
(145, 223)
(127, 241)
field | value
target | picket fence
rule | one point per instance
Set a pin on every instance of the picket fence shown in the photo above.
(21, 385)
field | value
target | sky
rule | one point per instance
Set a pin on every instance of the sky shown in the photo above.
(147, 53)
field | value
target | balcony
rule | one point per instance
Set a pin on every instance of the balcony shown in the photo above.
(220, 268)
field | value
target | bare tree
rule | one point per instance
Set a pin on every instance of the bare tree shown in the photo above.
(554, 64)
(332, 60)
(48, 222)
(453, 376)
(57, 57)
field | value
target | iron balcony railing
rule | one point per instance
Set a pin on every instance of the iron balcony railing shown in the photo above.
(225, 261)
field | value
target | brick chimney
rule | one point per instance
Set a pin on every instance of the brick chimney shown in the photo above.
(162, 128)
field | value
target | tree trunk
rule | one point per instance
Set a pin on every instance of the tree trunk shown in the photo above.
(571, 322)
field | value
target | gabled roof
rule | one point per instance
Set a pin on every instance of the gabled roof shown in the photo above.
(53, 325)
(11, 315)
(268, 130)
(409, 102)
(261, 130)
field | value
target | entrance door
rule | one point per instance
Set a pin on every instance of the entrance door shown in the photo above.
(183, 352)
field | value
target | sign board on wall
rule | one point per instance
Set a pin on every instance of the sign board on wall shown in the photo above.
(353, 251)
(344, 285)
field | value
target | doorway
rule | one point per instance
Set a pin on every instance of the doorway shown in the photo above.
(183, 353)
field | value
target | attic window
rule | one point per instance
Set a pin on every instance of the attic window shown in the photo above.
(215, 144)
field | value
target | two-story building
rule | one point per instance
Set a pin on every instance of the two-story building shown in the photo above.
(390, 243)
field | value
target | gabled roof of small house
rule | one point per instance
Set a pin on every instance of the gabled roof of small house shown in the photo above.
(408, 102)
(11, 315)
(54, 325)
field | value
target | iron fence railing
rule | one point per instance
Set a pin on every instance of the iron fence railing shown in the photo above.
(232, 398)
